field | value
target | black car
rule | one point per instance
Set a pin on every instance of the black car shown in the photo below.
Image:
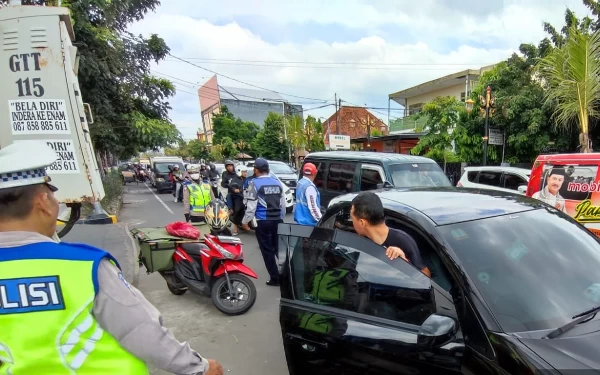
(341, 172)
(513, 288)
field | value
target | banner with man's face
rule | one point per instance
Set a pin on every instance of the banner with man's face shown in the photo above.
(574, 190)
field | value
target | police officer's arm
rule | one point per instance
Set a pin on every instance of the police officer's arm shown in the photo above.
(282, 202)
(122, 311)
(186, 200)
(252, 197)
(312, 197)
(224, 180)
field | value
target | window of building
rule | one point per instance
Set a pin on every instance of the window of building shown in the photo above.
(352, 123)
(340, 177)
(343, 277)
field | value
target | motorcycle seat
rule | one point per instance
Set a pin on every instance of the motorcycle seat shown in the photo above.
(193, 248)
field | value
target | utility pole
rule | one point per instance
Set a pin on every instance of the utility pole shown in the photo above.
(337, 123)
(368, 130)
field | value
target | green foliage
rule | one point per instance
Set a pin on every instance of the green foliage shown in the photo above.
(376, 133)
(228, 149)
(571, 74)
(225, 125)
(269, 142)
(442, 117)
(197, 150)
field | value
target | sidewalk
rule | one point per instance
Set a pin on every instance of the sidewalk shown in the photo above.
(115, 239)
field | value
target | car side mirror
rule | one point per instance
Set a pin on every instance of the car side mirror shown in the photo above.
(437, 330)
(385, 185)
(522, 189)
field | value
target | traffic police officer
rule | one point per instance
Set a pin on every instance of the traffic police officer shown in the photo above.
(66, 308)
(196, 195)
(266, 201)
(308, 199)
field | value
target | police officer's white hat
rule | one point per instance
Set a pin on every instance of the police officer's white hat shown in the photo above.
(24, 164)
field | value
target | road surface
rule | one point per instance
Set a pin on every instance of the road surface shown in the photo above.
(249, 344)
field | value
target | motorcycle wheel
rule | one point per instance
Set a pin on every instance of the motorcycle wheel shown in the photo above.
(234, 306)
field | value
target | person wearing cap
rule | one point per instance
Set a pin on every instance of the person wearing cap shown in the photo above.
(66, 308)
(308, 199)
(197, 193)
(550, 193)
(266, 203)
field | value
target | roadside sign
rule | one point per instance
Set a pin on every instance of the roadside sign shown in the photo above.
(496, 137)
(339, 142)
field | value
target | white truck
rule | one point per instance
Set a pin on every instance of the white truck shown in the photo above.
(40, 99)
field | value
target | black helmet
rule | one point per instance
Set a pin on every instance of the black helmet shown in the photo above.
(229, 162)
(216, 214)
(212, 167)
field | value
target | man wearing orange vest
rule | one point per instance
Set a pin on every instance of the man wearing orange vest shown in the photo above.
(66, 308)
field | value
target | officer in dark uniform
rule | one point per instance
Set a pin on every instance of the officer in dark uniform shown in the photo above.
(266, 202)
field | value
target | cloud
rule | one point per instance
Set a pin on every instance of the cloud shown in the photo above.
(433, 39)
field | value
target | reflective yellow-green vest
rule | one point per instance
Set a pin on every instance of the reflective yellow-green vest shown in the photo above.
(47, 293)
(199, 197)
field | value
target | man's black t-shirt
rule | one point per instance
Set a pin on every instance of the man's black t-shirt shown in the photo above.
(405, 242)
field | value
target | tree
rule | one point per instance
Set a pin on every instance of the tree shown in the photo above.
(269, 142)
(130, 106)
(316, 142)
(442, 115)
(571, 75)
(228, 149)
(197, 150)
(226, 125)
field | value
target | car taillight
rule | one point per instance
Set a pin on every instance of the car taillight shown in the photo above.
(459, 184)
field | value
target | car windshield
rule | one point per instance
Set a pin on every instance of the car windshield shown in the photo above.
(280, 168)
(164, 167)
(535, 270)
(417, 175)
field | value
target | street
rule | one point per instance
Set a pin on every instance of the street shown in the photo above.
(249, 344)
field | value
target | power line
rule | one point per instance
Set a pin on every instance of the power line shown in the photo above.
(246, 83)
(332, 63)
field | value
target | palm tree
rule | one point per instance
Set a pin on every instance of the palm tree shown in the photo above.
(571, 74)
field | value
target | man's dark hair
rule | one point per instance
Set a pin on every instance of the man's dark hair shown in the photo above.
(17, 202)
(368, 206)
(263, 170)
(558, 171)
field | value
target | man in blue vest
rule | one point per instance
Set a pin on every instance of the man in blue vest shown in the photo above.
(66, 308)
(266, 202)
(308, 200)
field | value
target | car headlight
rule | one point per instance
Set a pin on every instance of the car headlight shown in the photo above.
(160, 180)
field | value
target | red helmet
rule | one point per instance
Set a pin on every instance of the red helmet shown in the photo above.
(309, 169)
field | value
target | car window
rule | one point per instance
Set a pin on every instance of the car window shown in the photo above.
(340, 176)
(417, 175)
(489, 178)
(534, 269)
(472, 176)
(439, 273)
(280, 168)
(369, 179)
(164, 167)
(321, 169)
(330, 274)
(513, 181)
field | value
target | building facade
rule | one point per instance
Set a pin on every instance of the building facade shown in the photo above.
(357, 122)
(458, 85)
(247, 104)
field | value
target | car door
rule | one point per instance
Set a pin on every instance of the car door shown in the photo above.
(340, 179)
(347, 309)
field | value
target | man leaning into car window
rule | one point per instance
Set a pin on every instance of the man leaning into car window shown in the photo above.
(368, 219)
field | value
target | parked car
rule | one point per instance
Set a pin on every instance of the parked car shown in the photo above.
(508, 179)
(570, 183)
(285, 174)
(341, 172)
(514, 289)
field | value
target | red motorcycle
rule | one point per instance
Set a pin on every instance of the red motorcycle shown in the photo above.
(214, 268)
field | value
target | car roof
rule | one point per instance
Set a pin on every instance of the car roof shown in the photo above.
(449, 205)
(499, 169)
(368, 156)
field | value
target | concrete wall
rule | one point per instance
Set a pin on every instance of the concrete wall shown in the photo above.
(427, 97)
(256, 112)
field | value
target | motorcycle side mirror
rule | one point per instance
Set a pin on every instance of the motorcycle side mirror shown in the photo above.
(385, 185)
(436, 331)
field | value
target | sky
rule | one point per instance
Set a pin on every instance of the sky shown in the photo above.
(361, 50)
